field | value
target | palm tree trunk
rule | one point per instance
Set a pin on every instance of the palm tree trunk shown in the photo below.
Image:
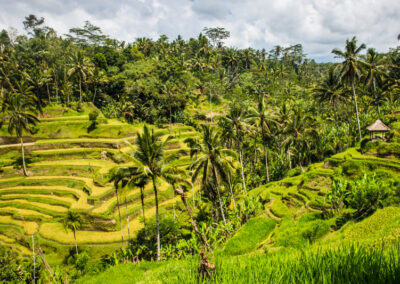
(211, 113)
(157, 221)
(240, 159)
(127, 222)
(192, 220)
(355, 102)
(76, 244)
(377, 103)
(94, 95)
(173, 200)
(56, 85)
(241, 165)
(144, 219)
(119, 214)
(265, 150)
(219, 196)
(230, 188)
(80, 89)
(34, 259)
(48, 92)
(23, 157)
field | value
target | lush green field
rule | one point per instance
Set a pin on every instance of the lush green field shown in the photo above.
(350, 263)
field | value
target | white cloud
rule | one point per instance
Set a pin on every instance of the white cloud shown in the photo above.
(320, 25)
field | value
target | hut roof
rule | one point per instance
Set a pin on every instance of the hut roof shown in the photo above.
(378, 126)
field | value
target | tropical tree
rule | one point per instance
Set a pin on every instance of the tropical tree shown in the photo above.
(214, 164)
(265, 120)
(152, 162)
(73, 221)
(351, 69)
(20, 109)
(98, 77)
(81, 67)
(238, 118)
(375, 74)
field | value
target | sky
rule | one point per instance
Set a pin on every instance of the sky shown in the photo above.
(319, 25)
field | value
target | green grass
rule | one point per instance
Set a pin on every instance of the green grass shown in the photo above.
(247, 237)
(345, 264)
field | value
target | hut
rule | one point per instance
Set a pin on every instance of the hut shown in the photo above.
(379, 128)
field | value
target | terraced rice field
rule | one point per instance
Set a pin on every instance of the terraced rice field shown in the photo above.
(68, 171)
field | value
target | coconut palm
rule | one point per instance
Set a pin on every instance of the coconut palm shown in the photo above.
(351, 68)
(329, 91)
(81, 67)
(375, 73)
(73, 221)
(265, 120)
(98, 77)
(152, 162)
(130, 177)
(213, 164)
(238, 119)
(20, 109)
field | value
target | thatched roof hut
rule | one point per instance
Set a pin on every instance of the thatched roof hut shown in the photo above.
(378, 126)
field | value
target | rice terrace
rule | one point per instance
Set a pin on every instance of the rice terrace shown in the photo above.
(218, 146)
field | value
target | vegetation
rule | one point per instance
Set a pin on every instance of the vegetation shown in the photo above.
(268, 152)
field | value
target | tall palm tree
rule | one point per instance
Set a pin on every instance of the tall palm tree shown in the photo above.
(351, 68)
(375, 73)
(238, 118)
(130, 177)
(213, 164)
(329, 91)
(73, 221)
(98, 77)
(81, 67)
(152, 162)
(265, 120)
(20, 108)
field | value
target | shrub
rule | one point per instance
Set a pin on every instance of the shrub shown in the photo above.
(386, 149)
(368, 194)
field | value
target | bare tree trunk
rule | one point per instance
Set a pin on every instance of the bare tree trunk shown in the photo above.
(80, 89)
(144, 219)
(192, 220)
(76, 244)
(94, 95)
(119, 214)
(34, 260)
(56, 85)
(173, 201)
(219, 196)
(157, 221)
(355, 102)
(127, 222)
(211, 113)
(48, 92)
(230, 188)
(23, 157)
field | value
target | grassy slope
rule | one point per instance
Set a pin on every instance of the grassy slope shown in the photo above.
(295, 205)
(67, 171)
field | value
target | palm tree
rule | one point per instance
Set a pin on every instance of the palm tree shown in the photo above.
(81, 66)
(212, 164)
(329, 91)
(152, 162)
(98, 77)
(375, 73)
(265, 120)
(351, 69)
(73, 221)
(20, 108)
(238, 118)
(129, 177)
